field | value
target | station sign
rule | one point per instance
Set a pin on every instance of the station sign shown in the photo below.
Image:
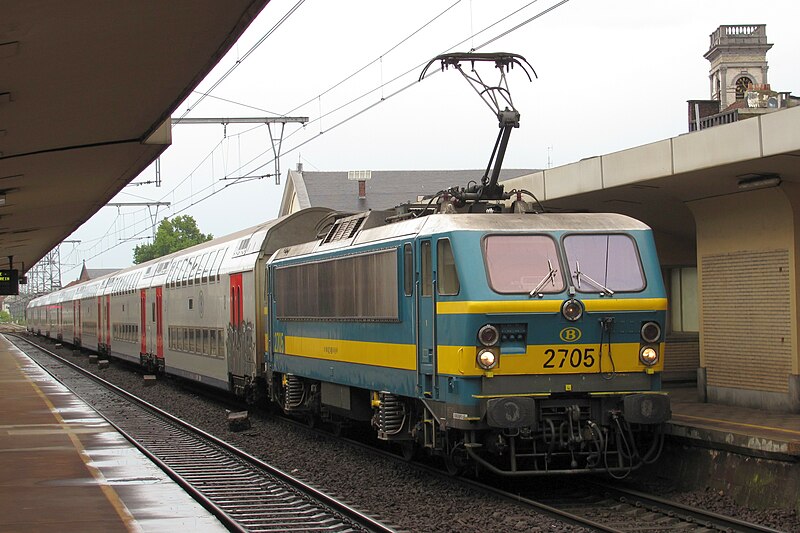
(9, 281)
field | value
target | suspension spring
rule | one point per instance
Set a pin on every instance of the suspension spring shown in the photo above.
(392, 414)
(294, 393)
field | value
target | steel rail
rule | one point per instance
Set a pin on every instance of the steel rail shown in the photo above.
(352, 515)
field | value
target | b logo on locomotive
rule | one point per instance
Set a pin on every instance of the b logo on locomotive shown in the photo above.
(570, 334)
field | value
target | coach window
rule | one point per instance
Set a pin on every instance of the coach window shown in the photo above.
(204, 267)
(215, 268)
(184, 272)
(190, 271)
(427, 269)
(198, 272)
(408, 270)
(446, 269)
(216, 260)
(176, 278)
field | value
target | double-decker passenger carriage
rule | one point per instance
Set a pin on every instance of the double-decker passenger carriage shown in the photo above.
(196, 313)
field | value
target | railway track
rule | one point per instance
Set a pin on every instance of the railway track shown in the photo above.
(243, 492)
(598, 505)
(601, 506)
(583, 502)
(592, 504)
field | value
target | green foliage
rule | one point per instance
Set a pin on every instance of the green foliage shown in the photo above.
(5, 317)
(172, 235)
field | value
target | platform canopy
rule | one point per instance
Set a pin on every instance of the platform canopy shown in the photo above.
(86, 91)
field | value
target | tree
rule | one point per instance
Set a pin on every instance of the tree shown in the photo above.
(172, 235)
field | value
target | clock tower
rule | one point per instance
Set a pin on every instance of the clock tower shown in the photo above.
(738, 57)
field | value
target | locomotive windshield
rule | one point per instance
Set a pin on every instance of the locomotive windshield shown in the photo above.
(522, 263)
(604, 263)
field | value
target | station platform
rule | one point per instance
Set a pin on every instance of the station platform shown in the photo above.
(753, 432)
(64, 468)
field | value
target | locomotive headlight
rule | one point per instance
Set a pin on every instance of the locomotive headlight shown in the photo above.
(487, 359)
(651, 332)
(648, 355)
(572, 309)
(488, 335)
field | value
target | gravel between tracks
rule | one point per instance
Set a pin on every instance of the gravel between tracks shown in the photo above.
(397, 494)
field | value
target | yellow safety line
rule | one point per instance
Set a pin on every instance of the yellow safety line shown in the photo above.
(109, 492)
(792, 431)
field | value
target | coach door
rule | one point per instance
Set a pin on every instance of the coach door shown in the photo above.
(143, 321)
(236, 305)
(108, 323)
(238, 356)
(99, 322)
(159, 326)
(426, 321)
(76, 328)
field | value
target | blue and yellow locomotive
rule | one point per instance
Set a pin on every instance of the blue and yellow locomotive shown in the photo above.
(476, 327)
(525, 343)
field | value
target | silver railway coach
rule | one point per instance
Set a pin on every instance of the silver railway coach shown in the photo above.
(197, 313)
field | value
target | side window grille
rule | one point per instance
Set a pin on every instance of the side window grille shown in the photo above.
(344, 228)
(241, 249)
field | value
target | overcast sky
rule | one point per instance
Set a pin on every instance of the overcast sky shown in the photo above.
(612, 75)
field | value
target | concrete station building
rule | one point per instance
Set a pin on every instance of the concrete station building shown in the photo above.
(724, 203)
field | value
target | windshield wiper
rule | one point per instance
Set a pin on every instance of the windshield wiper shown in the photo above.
(578, 275)
(550, 276)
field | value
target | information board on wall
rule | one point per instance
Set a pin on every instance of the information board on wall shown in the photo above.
(9, 281)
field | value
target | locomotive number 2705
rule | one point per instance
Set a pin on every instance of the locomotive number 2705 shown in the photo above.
(569, 357)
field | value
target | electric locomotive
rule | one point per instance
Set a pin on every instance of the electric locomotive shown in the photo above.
(476, 327)
(524, 343)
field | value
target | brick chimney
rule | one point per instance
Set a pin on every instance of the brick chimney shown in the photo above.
(361, 176)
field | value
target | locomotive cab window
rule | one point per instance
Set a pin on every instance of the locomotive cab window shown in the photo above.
(603, 263)
(522, 263)
(446, 269)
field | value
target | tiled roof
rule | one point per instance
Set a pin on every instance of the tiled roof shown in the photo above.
(385, 190)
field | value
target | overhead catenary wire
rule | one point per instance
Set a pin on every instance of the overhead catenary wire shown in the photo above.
(245, 56)
(377, 59)
(405, 73)
(318, 98)
(234, 102)
(347, 119)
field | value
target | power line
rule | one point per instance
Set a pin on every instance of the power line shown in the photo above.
(209, 95)
(412, 69)
(346, 119)
(379, 58)
(245, 56)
